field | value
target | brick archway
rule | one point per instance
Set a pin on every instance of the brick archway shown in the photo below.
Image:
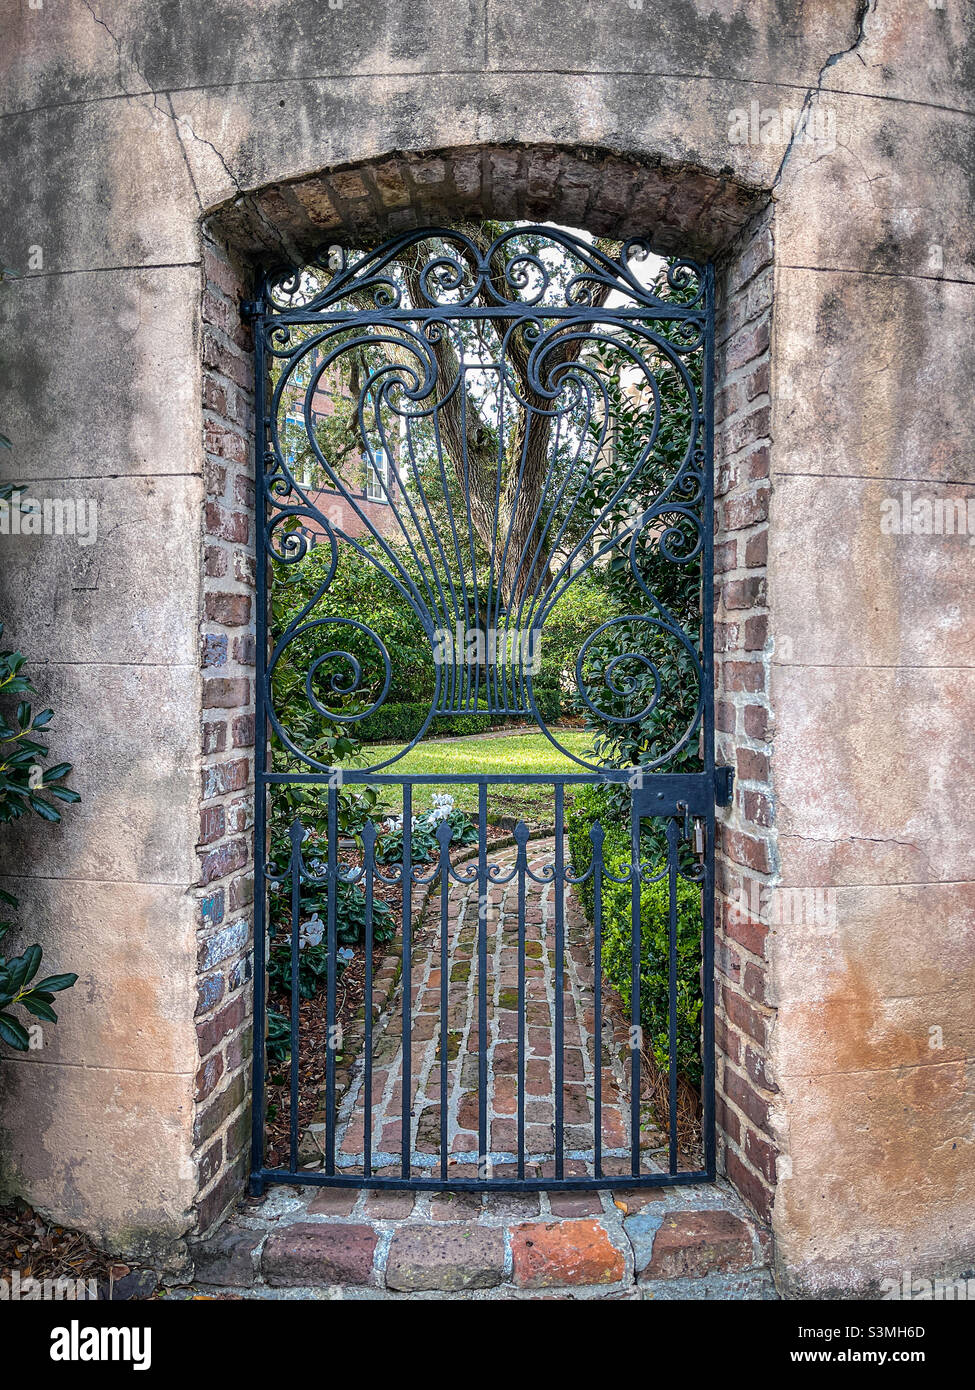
(681, 209)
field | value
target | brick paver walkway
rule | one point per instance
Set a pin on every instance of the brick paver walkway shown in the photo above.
(582, 1070)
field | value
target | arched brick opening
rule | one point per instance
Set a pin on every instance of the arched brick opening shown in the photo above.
(679, 209)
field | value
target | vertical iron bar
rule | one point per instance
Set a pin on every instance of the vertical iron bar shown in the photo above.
(443, 835)
(559, 889)
(521, 838)
(260, 771)
(707, 652)
(406, 1099)
(673, 837)
(636, 952)
(332, 880)
(369, 862)
(482, 976)
(597, 835)
(297, 833)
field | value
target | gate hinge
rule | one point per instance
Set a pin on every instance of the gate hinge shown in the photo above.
(250, 309)
(724, 782)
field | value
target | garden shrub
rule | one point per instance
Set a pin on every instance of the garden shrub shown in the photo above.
(24, 790)
(597, 803)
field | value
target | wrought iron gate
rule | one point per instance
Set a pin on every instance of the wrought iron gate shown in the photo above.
(472, 424)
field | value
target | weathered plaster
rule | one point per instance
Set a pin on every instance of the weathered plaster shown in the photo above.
(124, 126)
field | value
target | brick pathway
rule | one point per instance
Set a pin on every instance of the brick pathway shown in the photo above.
(581, 1068)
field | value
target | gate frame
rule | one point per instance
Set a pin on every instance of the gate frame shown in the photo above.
(682, 795)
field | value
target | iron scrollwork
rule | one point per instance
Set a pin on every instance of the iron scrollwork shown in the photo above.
(393, 361)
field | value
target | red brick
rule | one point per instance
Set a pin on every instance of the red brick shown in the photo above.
(727, 1119)
(690, 1244)
(227, 525)
(756, 808)
(752, 765)
(724, 717)
(742, 675)
(756, 633)
(223, 861)
(756, 721)
(744, 929)
(216, 562)
(243, 731)
(753, 1188)
(737, 513)
(226, 777)
(757, 382)
(742, 1094)
(743, 1016)
(232, 610)
(743, 593)
(756, 1066)
(214, 738)
(214, 1030)
(213, 824)
(554, 1254)
(756, 550)
(445, 1256)
(224, 693)
(309, 1253)
(208, 1076)
(726, 555)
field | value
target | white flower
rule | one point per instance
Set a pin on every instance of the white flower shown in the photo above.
(310, 933)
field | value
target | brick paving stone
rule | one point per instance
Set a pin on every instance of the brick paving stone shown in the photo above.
(333, 1201)
(555, 1254)
(445, 1257)
(694, 1243)
(314, 1253)
(389, 1206)
(227, 1258)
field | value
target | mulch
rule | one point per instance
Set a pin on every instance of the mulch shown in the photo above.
(35, 1248)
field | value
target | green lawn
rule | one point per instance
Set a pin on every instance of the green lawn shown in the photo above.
(517, 754)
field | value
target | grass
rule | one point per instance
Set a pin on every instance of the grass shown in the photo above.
(515, 754)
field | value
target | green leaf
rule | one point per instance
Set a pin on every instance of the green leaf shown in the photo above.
(52, 983)
(44, 809)
(25, 967)
(54, 774)
(43, 719)
(39, 1008)
(14, 1033)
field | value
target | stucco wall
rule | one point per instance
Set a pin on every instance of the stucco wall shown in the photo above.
(122, 127)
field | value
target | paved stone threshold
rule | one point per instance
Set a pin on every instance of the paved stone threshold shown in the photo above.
(696, 1242)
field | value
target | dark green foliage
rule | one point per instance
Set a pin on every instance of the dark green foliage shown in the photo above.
(22, 780)
(18, 986)
(425, 846)
(603, 804)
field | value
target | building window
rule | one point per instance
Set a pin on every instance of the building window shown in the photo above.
(377, 476)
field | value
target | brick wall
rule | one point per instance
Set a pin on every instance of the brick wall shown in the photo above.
(746, 853)
(227, 656)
